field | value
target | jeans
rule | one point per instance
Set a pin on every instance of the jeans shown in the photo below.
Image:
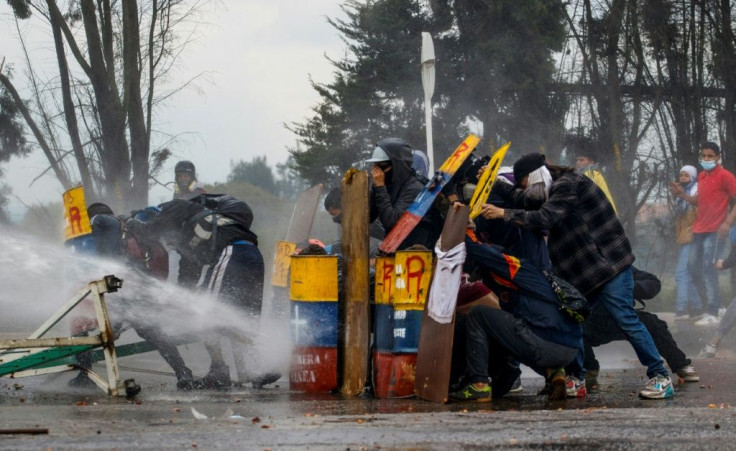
(706, 249)
(617, 297)
(688, 299)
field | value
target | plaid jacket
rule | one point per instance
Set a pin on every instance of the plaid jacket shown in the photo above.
(587, 243)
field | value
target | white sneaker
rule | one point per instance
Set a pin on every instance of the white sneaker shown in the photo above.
(707, 320)
(708, 352)
(658, 387)
(688, 374)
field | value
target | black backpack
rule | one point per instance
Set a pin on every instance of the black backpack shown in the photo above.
(571, 301)
(228, 206)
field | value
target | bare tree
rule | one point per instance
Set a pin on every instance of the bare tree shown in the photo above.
(122, 52)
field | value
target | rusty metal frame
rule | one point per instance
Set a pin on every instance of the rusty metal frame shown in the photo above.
(11, 350)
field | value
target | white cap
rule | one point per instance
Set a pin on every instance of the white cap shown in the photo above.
(378, 155)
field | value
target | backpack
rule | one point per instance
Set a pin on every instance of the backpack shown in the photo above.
(228, 206)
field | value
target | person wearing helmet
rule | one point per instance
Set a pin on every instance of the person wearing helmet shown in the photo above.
(185, 177)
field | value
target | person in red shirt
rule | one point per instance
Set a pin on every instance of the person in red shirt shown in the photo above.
(716, 188)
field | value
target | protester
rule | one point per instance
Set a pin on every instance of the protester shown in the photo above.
(687, 303)
(600, 328)
(185, 181)
(220, 241)
(728, 319)
(588, 248)
(333, 206)
(108, 231)
(586, 164)
(529, 328)
(716, 188)
(395, 186)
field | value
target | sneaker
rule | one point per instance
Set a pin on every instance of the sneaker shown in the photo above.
(262, 380)
(218, 378)
(708, 352)
(707, 320)
(681, 317)
(658, 387)
(688, 374)
(557, 385)
(516, 386)
(575, 387)
(472, 394)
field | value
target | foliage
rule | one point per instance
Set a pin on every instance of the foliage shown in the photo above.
(256, 172)
(493, 63)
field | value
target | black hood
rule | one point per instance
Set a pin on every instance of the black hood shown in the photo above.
(402, 163)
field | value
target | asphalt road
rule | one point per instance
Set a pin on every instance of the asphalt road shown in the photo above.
(48, 415)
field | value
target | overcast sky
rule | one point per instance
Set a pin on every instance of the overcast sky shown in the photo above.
(260, 54)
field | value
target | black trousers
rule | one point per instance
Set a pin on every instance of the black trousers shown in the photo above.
(600, 328)
(493, 336)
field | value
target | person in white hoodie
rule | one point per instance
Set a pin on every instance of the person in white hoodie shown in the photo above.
(687, 302)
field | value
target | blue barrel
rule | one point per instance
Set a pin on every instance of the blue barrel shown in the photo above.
(406, 327)
(383, 327)
(314, 324)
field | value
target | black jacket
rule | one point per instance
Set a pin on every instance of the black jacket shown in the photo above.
(197, 233)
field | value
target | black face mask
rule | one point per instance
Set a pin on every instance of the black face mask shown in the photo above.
(337, 219)
(388, 176)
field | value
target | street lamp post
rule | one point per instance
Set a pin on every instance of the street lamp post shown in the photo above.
(428, 85)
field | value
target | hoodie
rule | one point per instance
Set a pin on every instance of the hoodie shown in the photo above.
(402, 186)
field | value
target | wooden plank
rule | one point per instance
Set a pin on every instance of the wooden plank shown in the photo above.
(354, 343)
(435, 340)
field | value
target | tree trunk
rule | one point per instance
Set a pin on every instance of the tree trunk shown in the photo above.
(132, 87)
(114, 158)
(70, 113)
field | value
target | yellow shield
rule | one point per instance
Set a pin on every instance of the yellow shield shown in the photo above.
(76, 219)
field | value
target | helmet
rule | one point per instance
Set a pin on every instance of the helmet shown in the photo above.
(184, 166)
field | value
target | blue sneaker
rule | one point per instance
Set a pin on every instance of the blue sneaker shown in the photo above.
(658, 387)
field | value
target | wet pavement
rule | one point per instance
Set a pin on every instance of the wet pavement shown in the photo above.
(701, 415)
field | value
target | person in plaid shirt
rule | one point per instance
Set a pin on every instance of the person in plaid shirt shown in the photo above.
(588, 248)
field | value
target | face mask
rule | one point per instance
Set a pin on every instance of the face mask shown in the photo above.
(684, 184)
(708, 165)
(534, 196)
(337, 219)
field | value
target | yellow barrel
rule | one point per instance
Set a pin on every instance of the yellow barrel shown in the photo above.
(412, 276)
(313, 278)
(384, 284)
